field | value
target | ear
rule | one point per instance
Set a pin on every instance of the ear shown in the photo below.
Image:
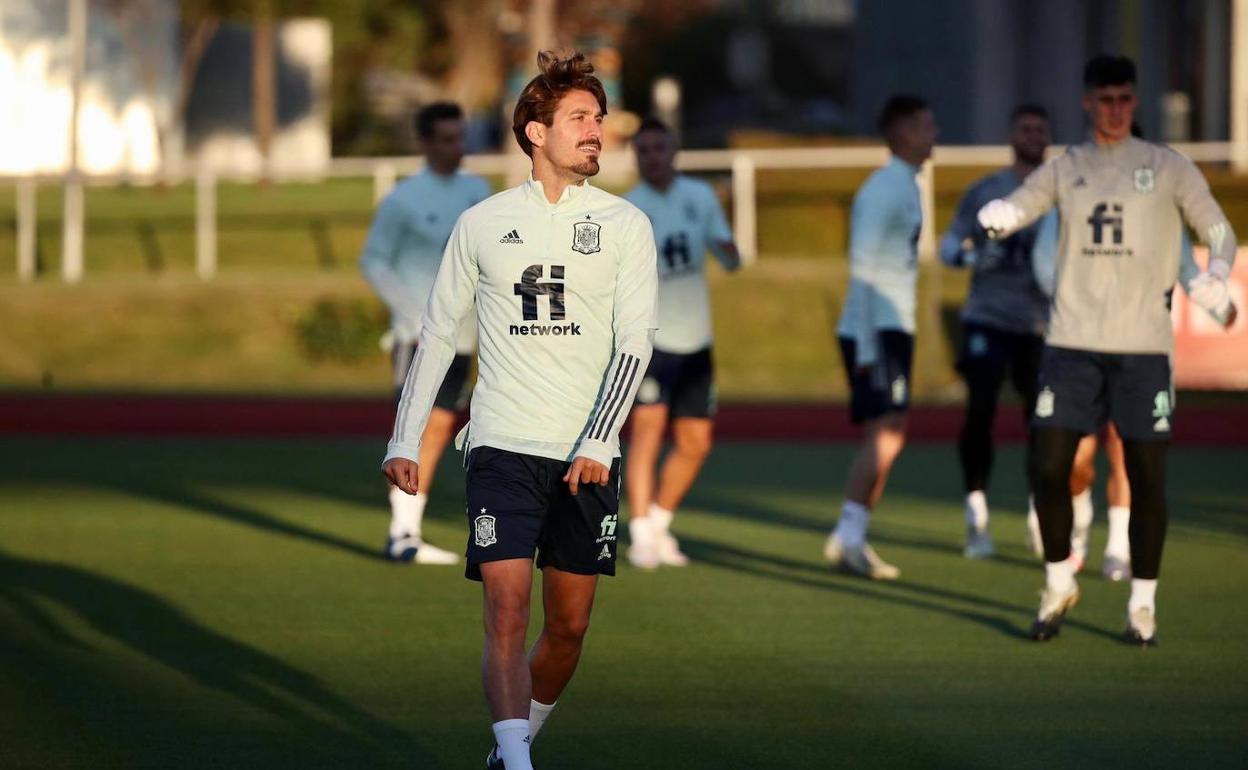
(1087, 101)
(536, 132)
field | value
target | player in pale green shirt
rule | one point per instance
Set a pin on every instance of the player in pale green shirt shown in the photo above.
(561, 277)
(400, 259)
(679, 386)
(876, 329)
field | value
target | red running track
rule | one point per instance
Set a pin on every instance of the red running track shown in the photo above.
(209, 415)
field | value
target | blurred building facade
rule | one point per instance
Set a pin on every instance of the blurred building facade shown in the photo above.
(824, 67)
(126, 119)
(150, 104)
(975, 59)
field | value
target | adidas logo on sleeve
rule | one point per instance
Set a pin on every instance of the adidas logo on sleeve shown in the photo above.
(511, 237)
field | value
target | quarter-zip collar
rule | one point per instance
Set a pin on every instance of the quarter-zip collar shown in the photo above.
(534, 189)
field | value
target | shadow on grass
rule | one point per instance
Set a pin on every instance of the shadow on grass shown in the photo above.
(1014, 624)
(148, 625)
(251, 517)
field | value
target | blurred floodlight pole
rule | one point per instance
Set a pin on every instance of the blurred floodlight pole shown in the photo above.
(927, 205)
(26, 229)
(744, 208)
(263, 83)
(71, 234)
(205, 222)
(1239, 86)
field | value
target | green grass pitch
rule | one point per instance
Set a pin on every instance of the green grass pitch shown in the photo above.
(219, 604)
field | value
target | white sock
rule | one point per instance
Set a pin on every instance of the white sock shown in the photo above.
(512, 737)
(1082, 503)
(660, 520)
(1143, 594)
(1059, 576)
(1119, 544)
(537, 717)
(977, 510)
(641, 532)
(852, 528)
(406, 512)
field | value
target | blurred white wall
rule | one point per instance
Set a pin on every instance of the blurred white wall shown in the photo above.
(128, 93)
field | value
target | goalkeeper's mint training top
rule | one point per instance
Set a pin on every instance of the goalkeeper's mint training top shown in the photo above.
(1122, 209)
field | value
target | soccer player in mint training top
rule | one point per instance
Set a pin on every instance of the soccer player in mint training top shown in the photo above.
(1122, 202)
(679, 385)
(400, 259)
(1004, 318)
(876, 329)
(562, 276)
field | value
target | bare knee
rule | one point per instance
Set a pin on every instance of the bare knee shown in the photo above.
(568, 629)
(695, 445)
(888, 441)
(507, 622)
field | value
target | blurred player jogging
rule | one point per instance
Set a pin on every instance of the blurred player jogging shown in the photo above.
(679, 385)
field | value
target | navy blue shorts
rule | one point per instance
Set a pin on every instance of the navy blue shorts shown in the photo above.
(519, 505)
(683, 382)
(1081, 389)
(454, 392)
(884, 387)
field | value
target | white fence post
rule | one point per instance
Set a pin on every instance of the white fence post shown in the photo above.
(71, 230)
(26, 224)
(385, 175)
(205, 223)
(745, 208)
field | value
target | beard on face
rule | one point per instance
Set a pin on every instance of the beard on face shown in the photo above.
(587, 166)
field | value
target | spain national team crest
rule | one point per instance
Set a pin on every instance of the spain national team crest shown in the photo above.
(1145, 180)
(585, 237)
(483, 530)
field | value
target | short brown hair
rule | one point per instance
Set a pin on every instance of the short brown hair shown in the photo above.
(540, 98)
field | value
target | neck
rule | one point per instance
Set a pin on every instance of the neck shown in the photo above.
(554, 180)
(661, 183)
(907, 158)
(443, 170)
(1106, 140)
(1022, 168)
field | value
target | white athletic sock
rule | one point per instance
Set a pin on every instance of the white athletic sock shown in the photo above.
(512, 737)
(1119, 544)
(1082, 503)
(537, 717)
(641, 532)
(660, 520)
(852, 528)
(1143, 594)
(977, 510)
(1059, 576)
(406, 512)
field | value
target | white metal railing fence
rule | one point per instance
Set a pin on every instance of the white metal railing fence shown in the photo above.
(742, 164)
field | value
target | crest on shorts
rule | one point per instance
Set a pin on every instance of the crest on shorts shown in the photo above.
(483, 530)
(1044, 403)
(1145, 180)
(585, 237)
(899, 390)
